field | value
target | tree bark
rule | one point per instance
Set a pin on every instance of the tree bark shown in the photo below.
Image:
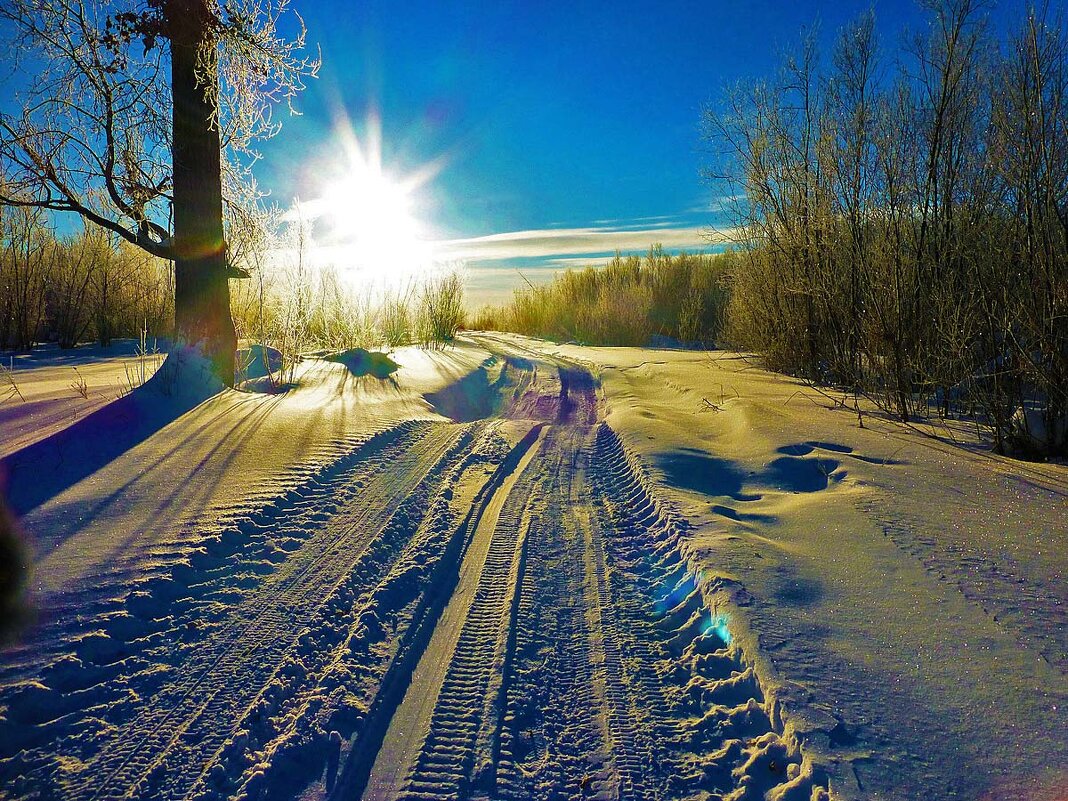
(201, 288)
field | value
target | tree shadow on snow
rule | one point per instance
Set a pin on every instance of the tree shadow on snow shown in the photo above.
(171, 493)
(794, 589)
(49, 466)
(796, 474)
(361, 362)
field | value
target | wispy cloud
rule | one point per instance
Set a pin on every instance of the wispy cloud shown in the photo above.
(558, 242)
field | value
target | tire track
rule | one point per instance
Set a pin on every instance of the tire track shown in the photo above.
(446, 761)
(87, 692)
(552, 737)
(303, 730)
(629, 746)
(446, 765)
(385, 748)
(163, 750)
(710, 725)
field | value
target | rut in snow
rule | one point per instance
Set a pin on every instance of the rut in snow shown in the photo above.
(585, 660)
(203, 644)
(497, 607)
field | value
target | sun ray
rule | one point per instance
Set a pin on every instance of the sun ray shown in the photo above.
(365, 214)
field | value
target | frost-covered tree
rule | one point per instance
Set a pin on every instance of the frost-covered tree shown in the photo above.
(141, 116)
(906, 236)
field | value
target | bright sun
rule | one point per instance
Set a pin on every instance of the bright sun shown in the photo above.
(371, 214)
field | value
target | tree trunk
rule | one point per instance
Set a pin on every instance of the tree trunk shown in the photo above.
(201, 289)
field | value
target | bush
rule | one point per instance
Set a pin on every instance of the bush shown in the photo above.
(87, 284)
(441, 309)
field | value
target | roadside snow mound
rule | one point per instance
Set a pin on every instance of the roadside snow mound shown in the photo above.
(732, 733)
(476, 396)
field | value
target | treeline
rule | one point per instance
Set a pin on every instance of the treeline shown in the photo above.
(76, 288)
(904, 222)
(93, 286)
(627, 302)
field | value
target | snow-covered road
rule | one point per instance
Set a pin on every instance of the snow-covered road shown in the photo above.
(517, 570)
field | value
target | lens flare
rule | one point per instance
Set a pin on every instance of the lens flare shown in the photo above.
(718, 626)
(364, 218)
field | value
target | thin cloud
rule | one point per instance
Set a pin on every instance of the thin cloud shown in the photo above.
(637, 222)
(717, 203)
(550, 242)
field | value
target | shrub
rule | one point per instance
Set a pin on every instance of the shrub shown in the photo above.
(441, 309)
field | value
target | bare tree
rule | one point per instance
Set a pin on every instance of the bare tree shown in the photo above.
(909, 238)
(889, 325)
(81, 261)
(127, 123)
(853, 99)
(1030, 154)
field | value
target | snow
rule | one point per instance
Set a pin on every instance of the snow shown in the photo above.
(44, 396)
(156, 461)
(906, 600)
(512, 568)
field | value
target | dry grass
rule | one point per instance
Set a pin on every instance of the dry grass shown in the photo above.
(623, 303)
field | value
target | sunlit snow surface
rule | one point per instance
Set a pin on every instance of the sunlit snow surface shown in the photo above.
(895, 603)
(907, 596)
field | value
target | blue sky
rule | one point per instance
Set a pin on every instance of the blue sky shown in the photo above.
(544, 115)
(545, 134)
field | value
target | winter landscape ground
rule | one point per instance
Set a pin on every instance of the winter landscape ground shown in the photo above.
(512, 569)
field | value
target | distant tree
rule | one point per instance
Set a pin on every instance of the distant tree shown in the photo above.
(27, 263)
(79, 261)
(125, 122)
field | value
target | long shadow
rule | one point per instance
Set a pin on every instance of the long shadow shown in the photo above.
(471, 397)
(695, 470)
(46, 468)
(53, 356)
(229, 440)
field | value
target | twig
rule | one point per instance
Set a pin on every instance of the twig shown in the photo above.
(80, 385)
(8, 375)
(524, 278)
